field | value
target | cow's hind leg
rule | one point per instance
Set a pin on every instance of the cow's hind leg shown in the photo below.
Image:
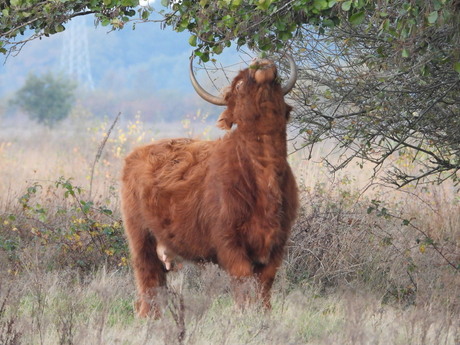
(148, 268)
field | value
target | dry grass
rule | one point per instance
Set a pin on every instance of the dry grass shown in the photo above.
(60, 308)
(373, 268)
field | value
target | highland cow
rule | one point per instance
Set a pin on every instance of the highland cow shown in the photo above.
(231, 201)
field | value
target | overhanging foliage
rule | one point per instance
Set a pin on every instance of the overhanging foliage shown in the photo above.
(381, 77)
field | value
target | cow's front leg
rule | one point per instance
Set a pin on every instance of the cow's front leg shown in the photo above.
(236, 263)
(265, 276)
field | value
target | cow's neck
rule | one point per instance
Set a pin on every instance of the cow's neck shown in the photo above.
(266, 147)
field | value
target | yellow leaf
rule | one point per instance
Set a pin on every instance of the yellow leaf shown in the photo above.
(422, 248)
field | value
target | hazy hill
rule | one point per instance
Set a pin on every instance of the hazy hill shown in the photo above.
(145, 70)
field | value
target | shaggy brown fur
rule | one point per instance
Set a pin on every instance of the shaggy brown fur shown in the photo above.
(231, 201)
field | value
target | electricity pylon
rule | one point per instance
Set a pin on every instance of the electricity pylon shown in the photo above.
(75, 58)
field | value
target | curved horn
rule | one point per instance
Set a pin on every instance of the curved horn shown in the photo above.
(292, 76)
(202, 92)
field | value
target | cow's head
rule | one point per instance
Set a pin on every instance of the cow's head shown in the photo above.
(248, 90)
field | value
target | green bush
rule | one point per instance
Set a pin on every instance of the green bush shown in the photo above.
(47, 99)
(72, 231)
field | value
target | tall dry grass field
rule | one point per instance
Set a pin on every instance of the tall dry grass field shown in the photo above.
(362, 267)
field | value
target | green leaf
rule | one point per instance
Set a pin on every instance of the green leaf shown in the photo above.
(457, 66)
(328, 23)
(204, 57)
(405, 53)
(284, 36)
(228, 20)
(346, 5)
(432, 17)
(165, 3)
(424, 70)
(86, 206)
(280, 25)
(357, 18)
(264, 4)
(59, 28)
(320, 4)
(182, 25)
(105, 21)
(106, 211)
(192, 40)
(218, 49)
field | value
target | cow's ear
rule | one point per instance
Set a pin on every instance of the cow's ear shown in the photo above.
(225, 120)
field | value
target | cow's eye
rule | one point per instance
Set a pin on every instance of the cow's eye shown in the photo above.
(238, 85)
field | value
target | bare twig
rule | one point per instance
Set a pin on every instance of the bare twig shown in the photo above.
(99, 153)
